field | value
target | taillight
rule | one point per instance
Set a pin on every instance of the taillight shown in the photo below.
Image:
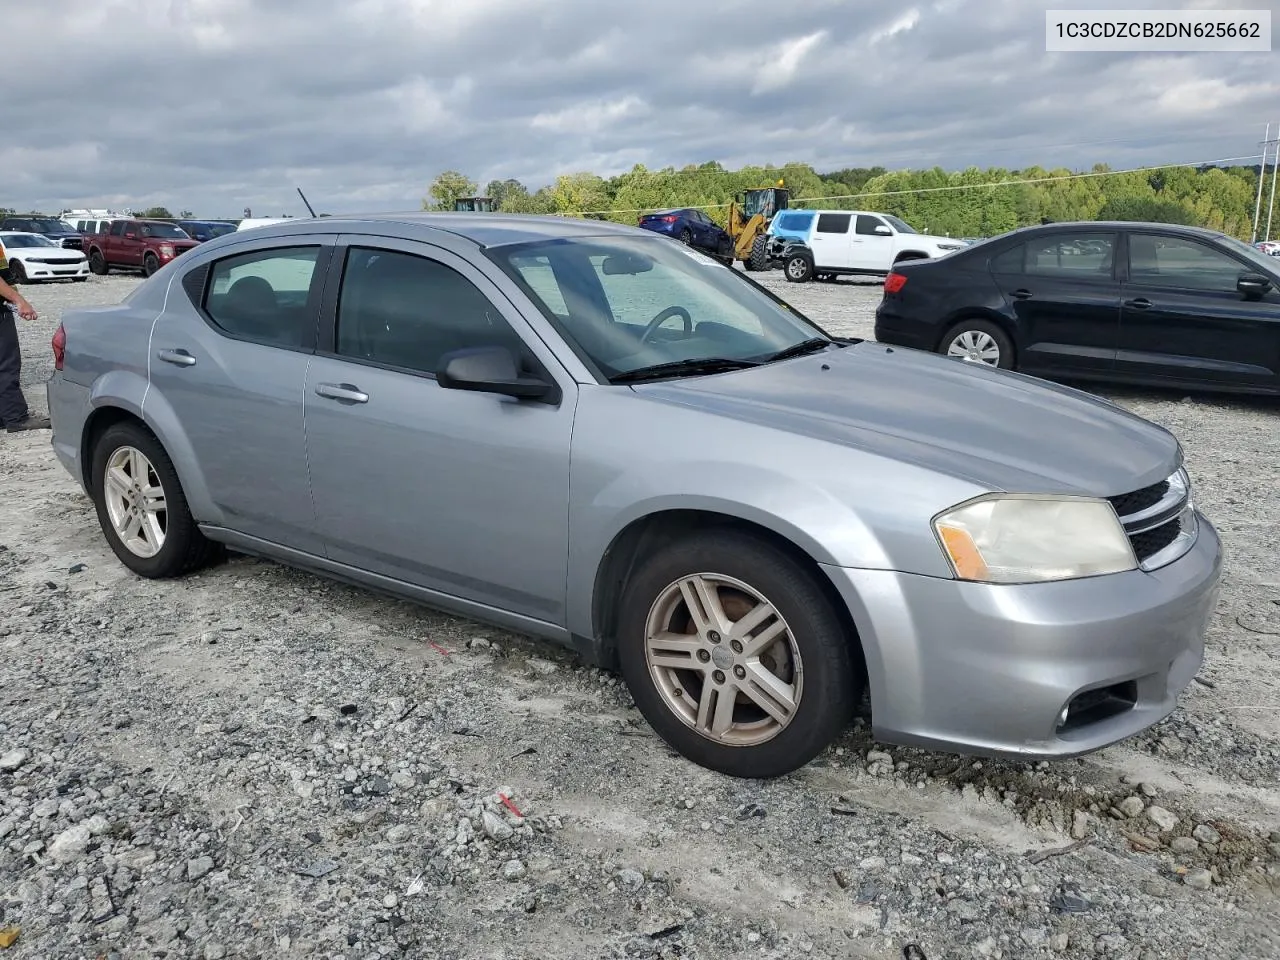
(895, 282)
(59, 347)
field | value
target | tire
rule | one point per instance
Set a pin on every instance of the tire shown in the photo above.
(686, 237)
(830, 676)
(798, 268)
(150, 264)
(759, 257)
(181, 545)
(980, 336)
(98, 263)
(17, 272)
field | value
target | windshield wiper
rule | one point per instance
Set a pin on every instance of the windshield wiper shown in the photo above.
(678, 368)
(812, 345)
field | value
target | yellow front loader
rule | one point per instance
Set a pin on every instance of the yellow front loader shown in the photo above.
(749, 217)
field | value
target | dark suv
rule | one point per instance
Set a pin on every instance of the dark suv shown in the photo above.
(59, 231)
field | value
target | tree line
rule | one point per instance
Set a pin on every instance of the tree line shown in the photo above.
(968, 203)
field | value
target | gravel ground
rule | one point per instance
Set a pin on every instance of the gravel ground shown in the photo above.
(254, 762)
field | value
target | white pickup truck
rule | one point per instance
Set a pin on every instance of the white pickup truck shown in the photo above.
(828, 243)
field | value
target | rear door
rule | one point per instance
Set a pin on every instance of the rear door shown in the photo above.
(1184, 319)
(1063, 290)
(230, 359)
(830, 240)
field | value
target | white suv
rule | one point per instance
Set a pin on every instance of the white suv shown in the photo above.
(839, 242)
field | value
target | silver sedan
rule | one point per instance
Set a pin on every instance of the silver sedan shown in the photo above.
(595, 435)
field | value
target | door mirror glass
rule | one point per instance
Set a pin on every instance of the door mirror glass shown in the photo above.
(488, 370)
(1253, 285)
(883, 231)
(627, 264)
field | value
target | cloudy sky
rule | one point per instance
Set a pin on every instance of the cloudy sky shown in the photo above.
(218, 105)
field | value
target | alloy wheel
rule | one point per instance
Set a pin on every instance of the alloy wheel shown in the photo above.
(723, 659)
(135, 501)
(975, 346)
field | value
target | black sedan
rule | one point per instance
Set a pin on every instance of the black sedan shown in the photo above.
(1141, 303)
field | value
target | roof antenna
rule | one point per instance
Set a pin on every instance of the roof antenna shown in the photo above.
(304, 200)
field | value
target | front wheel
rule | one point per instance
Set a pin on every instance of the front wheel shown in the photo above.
(17, 272)
(150, 264)
(141, 507)
(735, 656)
(978, 341)
(799, 268)
(758, 258)
(98, 263)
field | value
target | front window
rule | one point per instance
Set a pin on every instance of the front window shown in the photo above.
(16, 240)
(630, 304)
(900, 225)
(1250, 253)
(52, 226)
(164, 231)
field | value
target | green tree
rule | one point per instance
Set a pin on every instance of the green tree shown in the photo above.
(157, 213)
(446, 188)
(1146, 209)
(506, 192)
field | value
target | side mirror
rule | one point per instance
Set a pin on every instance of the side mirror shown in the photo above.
(628, 264)
(1253, 286)
(883, 231)
(488, 370)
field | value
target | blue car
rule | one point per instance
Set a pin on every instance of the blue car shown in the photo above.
(691, 227)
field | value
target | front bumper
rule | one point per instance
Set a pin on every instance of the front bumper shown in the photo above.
(988, 669)
(54, 271)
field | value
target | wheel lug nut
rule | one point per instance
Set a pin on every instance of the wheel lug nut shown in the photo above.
(713, 637)
(718, 676)
(704, 656)
(737, 647)
(739, 672)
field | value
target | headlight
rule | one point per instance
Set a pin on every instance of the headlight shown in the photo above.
(166, 250)
(1028, 539)
(950, 246)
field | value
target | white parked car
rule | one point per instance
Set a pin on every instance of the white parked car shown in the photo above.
(853, 242)
(35, 257)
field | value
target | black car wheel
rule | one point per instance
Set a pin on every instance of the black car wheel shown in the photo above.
(979, 341)
(686, 237)
(17, 272)
(799, 268)
(98, 263)
(735, 656)
(150, 264)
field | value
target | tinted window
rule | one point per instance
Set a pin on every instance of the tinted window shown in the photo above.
(164, 231)
(867, 225)
(408, 311)
(793, 221)
(1078, 255)
(1179, 262)
(834, 222)
(1011, 261)
(117, 228)
(264, 295)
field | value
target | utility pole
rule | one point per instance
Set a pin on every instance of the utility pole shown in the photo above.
(1271, 204)
(1262, 172)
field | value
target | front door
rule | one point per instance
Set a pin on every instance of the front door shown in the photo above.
(229, 358)
(1184, 319)
(1063, 290)
(462, 493)
(830, 240)
(873, 244)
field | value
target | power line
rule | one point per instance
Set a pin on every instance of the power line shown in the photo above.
(960, 186)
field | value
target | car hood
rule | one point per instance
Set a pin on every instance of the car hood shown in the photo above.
(26, 253)
(1001, 430)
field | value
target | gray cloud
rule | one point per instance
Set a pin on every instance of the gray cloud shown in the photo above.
(214, 105)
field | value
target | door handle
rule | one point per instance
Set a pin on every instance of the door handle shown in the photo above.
(1139, 304)
(342, 391)
(1021, 294)
(179, 357)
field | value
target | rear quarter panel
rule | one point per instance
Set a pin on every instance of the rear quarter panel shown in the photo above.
(938, 294)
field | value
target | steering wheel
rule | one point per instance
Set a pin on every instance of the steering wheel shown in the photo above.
(656, 322)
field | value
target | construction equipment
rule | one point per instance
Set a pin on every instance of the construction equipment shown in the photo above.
(474, 205)
(749, 217)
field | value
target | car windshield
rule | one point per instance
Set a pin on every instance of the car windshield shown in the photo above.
(628, 304)
(1250, 253)
(15, 240)
(164, 231)
(900, 225)
(52, 226)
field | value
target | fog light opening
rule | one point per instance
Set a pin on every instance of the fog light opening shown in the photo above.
(1097, 705)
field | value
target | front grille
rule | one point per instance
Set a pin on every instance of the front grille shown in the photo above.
(73, 243)
(1156, 518)
(1139, 500)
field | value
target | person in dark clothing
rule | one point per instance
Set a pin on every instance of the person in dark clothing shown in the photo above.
(14, 413)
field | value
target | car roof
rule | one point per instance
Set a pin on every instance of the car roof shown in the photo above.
(1093, 226)
(484, 229)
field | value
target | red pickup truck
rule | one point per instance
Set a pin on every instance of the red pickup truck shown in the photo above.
(145, 245)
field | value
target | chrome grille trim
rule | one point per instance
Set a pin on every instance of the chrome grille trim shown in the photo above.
(1172, 516)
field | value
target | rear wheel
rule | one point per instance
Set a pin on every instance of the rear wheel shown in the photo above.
(759, 257)
(978, 341)
(735, 656)
(98, 263)
(141, 506)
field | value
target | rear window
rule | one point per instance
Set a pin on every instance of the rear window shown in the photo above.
(834, 222)
(795, 220)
